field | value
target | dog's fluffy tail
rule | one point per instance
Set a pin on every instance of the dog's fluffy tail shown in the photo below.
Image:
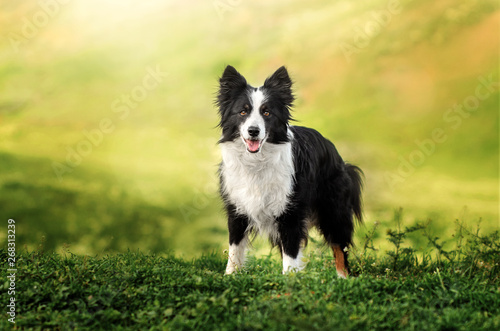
(357, 176)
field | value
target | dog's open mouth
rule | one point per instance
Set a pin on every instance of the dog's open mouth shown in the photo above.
(253, 146)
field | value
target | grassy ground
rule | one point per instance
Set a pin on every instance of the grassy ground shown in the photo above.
(152, 173)
(456, 289)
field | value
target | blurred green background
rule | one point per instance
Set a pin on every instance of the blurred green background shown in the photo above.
(108, 129)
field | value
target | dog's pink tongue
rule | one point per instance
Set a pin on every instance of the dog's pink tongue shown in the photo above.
(253, 145)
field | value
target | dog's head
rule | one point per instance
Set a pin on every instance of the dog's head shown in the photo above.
(255, 115)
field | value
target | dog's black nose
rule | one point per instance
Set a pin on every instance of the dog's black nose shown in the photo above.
(253, 131)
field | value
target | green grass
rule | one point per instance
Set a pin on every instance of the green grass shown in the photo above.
(406, 289)
(154, 175)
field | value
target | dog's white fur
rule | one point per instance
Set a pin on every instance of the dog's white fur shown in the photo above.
(257, 98)
(258, 184)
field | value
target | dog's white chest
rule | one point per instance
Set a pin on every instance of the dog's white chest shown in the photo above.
(259, 185)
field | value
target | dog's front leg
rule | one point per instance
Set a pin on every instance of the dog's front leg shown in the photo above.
(238, 240)
(236, 257)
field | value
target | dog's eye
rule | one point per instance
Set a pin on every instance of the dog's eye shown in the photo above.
(264, 111)
(245, 110)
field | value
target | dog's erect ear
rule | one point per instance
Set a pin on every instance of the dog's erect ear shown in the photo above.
(280, 82)
(232, 78)
(280, 79)
(231, 83)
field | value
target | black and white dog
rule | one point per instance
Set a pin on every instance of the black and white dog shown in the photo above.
(279, 180)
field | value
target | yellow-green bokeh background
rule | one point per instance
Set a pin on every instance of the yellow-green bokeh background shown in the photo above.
(151, 182)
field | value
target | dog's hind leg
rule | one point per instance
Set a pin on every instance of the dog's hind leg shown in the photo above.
(341, 263)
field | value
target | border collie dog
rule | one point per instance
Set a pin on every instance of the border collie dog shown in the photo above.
(279, 180)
